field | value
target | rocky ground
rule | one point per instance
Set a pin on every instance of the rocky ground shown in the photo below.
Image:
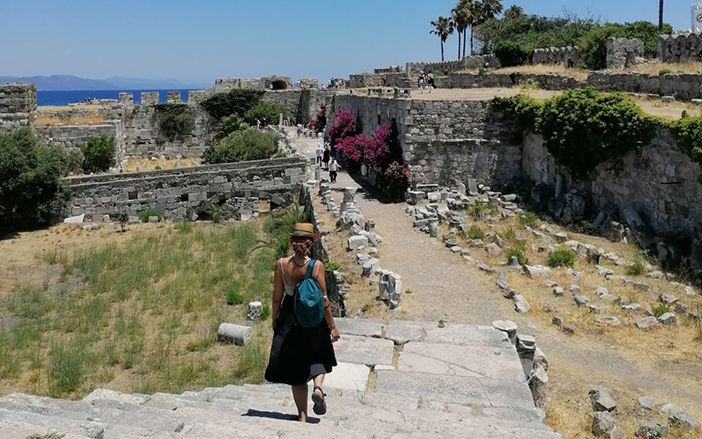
(606, 348)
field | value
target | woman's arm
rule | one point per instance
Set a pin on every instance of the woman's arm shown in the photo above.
(328, 317)
(277, 290)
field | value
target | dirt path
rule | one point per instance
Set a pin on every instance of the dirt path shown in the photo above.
(444, 286)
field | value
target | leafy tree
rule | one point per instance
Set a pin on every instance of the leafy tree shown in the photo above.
(483, 11)
(228, 125)
(237, 101)
(31, 191)
(593, 44)
(249, 144)
(443, 27)
(98, 153)
(463, 17)
(264, 110)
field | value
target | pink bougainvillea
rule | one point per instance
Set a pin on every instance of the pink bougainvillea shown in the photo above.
(319, 122)
(354, 148)
(378, 152)
(344, 126)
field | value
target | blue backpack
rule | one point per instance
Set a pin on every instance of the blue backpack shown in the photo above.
(308, 304)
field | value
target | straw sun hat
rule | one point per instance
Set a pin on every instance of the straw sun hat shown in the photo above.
(303, 230)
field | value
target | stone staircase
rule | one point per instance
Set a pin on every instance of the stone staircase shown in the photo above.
(395, 379)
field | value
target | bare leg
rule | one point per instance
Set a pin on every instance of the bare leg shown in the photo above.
(300, 397)
(319, 380)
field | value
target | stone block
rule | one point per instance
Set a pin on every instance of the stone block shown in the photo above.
(364, 350)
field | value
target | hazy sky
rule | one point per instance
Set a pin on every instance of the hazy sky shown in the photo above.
(204, 39)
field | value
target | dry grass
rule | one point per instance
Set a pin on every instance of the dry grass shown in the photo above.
(43, 120)
(663, 68)
(543, 69)
(135, 313)
(135, 164)
(675, 350)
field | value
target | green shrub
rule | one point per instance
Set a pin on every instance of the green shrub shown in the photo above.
(265, 312)
(332, 266)
(524, 110)
(519, 253)
(688, 135)
(279, 226)
(145, 214)
(75, 160)
(660, 309)
(269, 111)
(249, 144)
(173, 121)
(477, 209)
(237, 101)
(583, 128)
(593, 45)
(510, 53)
(234, 295)
(98, 153)
(528, 219)
(508, 234)
(562, 257)
(229, 125)
(636, 268)
(475, 232)
(31, 190)
(215, 212)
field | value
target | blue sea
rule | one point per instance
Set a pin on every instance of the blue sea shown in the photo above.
(65, 97)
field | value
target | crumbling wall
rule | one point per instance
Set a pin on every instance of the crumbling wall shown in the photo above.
(685, 47)
(445, 68)
(18, 104)
(180, 193)
(623, 53)
(566, 56)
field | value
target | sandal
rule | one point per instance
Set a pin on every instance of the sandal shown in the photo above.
(320, 405)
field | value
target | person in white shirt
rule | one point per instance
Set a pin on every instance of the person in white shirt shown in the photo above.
(333, 169)
(319, 151)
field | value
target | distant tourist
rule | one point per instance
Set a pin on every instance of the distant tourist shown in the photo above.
(302, 350)
(421, 81)
(299, 130)
(430, 82)
(333, 169)
(325, 157)
(319, 152)
(258, 123)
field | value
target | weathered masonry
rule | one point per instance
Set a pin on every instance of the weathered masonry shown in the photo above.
(18, 105)
(239, 189)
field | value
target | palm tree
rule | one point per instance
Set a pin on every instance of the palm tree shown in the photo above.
(443, 27)
(462, 17)
(660, 15)
(483, 11)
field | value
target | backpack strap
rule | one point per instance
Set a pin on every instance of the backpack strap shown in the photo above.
(310, 267)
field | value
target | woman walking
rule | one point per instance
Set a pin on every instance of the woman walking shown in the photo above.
(325, 157)
(298, 353)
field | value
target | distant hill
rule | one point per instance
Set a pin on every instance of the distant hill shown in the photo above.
(69, 82)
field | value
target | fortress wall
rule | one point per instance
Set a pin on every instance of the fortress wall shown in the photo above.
(18, 104)
(179, 193)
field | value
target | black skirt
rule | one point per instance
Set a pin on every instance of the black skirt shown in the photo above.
(298, 354)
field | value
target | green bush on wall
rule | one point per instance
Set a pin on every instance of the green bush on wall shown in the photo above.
(688, 135)
(174, 121)
(269, 111)
(249, 144)
(237, 102)
(98, 153)
(583, 128)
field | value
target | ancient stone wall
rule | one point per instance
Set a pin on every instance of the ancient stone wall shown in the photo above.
(288, 99)
(491, 80)
(18, 104)
(683, 86)
(364, 80)
(180, 193)
(441, 140)
(623, 53)
(265, 83)
(72, 136)
(566, 56)
(444, 68)
(685, 47)
(143, 136)
(659, 182)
